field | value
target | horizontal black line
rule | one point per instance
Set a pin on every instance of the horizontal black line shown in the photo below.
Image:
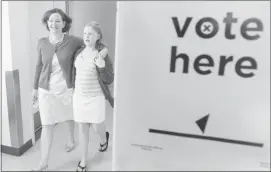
(206, 138)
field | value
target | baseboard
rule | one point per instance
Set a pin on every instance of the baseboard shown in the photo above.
(19, 151)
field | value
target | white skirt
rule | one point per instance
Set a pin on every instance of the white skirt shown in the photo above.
(55, 108)
(89, 109)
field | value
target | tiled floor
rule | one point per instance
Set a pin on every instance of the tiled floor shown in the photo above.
(59, 159)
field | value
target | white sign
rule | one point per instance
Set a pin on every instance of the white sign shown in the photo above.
(192, 86)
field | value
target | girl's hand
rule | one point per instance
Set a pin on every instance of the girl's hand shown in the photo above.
(102, 54)
(99, 62)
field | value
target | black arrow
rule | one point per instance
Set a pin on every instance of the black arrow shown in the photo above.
(202, 123)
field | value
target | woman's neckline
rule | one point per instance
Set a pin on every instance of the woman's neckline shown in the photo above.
(58, 41)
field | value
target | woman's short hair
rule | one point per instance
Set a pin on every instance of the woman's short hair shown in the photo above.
(65, 18)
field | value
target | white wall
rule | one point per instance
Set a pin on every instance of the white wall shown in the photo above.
(19, 27)
(6, 66)
(150, 96)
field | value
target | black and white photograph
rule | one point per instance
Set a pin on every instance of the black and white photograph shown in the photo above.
(135, 85)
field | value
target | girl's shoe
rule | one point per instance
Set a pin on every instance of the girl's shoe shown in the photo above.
(104, 146)
(80, 168)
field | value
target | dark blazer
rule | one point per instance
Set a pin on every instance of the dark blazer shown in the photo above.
(105, 75)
